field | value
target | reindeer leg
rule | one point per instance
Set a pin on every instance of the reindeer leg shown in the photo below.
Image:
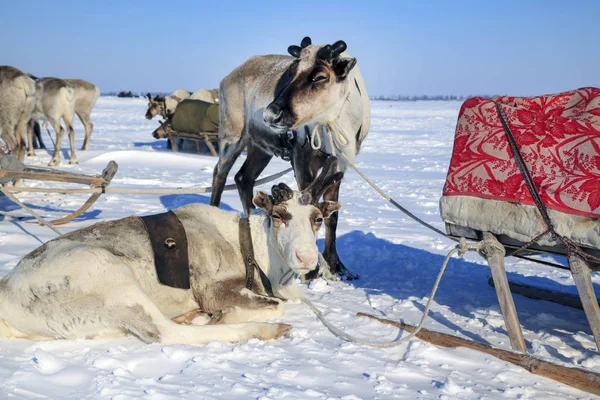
(247, 306)
(30, 140)
(334, 266)
(69, 124)
(87, 123)
(188, 317)
(59, 136)
(255, 163)
(228, 153)
(38, 135)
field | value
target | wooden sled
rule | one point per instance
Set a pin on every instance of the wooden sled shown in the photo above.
(580, 270)
(46, 174)
(208, 137)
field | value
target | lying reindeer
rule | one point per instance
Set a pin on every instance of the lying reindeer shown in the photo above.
(101, 280)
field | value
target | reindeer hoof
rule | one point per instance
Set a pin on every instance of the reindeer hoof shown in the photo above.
(73, 161)
(83, 148)
(219, 318)
(332, 270)
(54, 162)
(30, 154)
(273, 331)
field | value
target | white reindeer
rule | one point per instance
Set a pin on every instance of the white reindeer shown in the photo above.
(86, 95)
(17, 101)
(101, 281)
(55, 99)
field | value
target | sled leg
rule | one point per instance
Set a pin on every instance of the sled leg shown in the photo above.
(494, 252)
(210, 146)
(582, 275)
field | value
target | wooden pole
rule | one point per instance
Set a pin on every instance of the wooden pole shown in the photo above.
(576, 377)
(494, 253)
(582, 275)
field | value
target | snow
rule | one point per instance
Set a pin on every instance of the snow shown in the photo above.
(407, 154)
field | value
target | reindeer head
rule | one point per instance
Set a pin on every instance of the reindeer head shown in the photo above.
(296, 217)
(163, 130)
(156, 106)
(313, 89)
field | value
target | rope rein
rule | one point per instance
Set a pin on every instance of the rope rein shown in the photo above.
(461, 248)
(338, 138)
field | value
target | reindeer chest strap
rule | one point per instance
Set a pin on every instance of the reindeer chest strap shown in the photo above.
(247, 250)
(170, 247)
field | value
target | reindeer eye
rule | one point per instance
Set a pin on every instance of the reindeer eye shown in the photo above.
(319, 78)
(275, 216)
(319, 220)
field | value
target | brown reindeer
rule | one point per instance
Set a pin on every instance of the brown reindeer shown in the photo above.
(266, 97)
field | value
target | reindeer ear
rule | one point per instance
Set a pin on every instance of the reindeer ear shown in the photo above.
(343, 66)
(329, 207)
(264, 201)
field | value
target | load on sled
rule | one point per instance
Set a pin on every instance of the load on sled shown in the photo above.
(194, 120)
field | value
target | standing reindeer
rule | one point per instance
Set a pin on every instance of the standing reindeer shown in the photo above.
(86, 95)
(55, 99)
(268, 96)
(17, 100)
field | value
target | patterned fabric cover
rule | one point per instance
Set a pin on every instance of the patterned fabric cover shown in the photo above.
(558, 136)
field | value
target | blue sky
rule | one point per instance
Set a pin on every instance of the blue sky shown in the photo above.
(402, 47)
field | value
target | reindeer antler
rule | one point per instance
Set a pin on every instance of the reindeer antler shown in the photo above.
(329, 52)
(305, 42)
(326, 178)
(296, 50)
(281, 193)
(338, 48)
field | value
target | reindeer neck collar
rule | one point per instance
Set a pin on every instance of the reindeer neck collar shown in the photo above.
(247, 249)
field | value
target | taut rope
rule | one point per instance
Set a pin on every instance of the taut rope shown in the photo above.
(192, 190)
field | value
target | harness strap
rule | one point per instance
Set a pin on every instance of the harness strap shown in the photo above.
(572, 247)
(247, 250)
(170, 247)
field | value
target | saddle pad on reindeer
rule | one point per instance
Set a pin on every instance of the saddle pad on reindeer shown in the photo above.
(559, 138)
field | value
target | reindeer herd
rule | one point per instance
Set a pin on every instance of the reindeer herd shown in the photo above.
(269, 106)
(25, 100)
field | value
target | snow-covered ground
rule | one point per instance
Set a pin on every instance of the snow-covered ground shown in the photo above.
(406, 153)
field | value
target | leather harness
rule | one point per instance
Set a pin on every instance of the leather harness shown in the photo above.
(170, 248)
(247, 250)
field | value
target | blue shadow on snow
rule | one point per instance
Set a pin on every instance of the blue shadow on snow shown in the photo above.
(404, 272)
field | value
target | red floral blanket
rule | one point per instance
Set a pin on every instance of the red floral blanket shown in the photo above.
(559, 138)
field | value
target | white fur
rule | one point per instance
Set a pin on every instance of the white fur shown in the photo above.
(55, 99)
